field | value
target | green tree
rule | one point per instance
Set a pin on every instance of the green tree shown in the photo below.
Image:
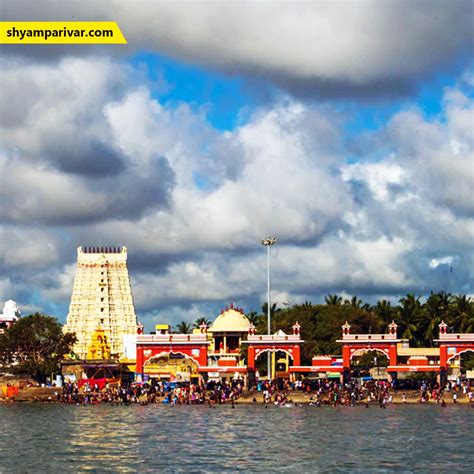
(333, 300)
(35, 345)
(409, 316)
(201, 320)
(462, 310)
(384, 310)
(433, 314)
(355, 302)
(254, 317)
(183, 328)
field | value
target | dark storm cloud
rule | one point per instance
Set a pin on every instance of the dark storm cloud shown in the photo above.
(361, 50)
(93, 159)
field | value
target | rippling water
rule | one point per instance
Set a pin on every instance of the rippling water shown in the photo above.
(60, 438)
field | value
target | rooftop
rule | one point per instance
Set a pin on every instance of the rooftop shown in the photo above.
(230, 320)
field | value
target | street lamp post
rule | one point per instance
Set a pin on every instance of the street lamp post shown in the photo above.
(268, 242)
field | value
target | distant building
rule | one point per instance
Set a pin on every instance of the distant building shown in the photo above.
(101, 303)
(10, 315)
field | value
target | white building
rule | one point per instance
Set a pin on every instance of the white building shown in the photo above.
(10, 315)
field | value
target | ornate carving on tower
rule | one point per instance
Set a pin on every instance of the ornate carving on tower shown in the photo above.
(98, 348)
(101, 297)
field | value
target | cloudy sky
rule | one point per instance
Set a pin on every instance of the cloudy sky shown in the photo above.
(345, 129)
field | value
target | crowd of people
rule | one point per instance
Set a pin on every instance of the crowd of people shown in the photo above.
(278, 392)
(153, 392)
(326, 392)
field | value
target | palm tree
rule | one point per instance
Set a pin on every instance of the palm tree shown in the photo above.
(384, 310)
(356, 303)
(432, 317)
(183, 327)
(409, 314)
(463, 314)
(201, 320)
(254, 317)
(333, 300)
(273, 309)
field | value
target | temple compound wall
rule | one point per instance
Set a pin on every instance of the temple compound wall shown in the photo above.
(101, 299)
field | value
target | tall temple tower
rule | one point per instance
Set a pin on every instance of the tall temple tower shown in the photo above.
(101, 299)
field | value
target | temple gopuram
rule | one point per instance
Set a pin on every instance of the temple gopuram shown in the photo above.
(101, 300)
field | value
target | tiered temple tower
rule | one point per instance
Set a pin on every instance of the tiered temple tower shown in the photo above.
(101, 299)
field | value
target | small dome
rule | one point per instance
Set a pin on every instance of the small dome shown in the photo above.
(230, 320)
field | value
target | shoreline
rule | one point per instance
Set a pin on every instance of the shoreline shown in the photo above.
(49, 394)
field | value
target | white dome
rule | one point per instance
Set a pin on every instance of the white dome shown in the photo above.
(230, 320)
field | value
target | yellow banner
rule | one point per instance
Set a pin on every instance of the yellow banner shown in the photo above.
(60, 32)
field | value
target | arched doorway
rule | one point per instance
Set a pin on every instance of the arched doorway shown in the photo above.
(172, 366)
(281, 360)
(367, 362)
(460, 363)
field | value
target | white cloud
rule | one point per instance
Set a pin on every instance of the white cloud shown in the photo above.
(436, 262)
(378, 176)
(368, 228)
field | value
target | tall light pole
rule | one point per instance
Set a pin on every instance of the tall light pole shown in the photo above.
(268, 242)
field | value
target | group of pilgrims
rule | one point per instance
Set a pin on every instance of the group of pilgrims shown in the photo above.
(323, 392)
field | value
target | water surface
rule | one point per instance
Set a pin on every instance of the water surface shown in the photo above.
(62, 438)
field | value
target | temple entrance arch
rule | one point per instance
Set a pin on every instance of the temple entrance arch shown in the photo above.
(460, 353)
(354, 344)
(281, 360)
(458, 364)
(175, 366)
(452, 346)
(289, 344)
(368, 350)
(370, 362)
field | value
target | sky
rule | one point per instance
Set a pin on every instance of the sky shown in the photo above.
(345, 129)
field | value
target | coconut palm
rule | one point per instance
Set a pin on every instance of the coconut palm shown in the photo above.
(183, 328)
(409, 315)
(333, 300)
(433, 314)
(462, 311)
(356, 303)
(254, 317)
(384, 310)
(201, 320)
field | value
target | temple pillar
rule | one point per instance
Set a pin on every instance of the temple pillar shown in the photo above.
(225, 344)
(273, 365)
(392, 354)
(251, 357)
(443, 357)
(139, 361)
(296, 355)
(346, 357)
(203, 356)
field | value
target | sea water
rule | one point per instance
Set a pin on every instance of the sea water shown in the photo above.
(251, 438)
